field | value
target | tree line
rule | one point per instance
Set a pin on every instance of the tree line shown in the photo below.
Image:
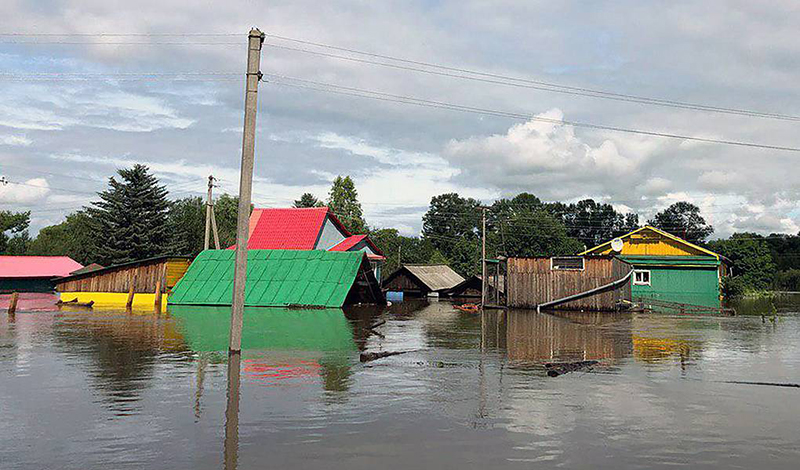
(134, 218)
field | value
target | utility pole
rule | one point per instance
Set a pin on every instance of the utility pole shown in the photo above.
(483, 259)
(211, 221)
(254, 41)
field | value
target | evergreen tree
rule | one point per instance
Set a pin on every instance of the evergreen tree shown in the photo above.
(130, 219)
(308, 200)
(343, 201)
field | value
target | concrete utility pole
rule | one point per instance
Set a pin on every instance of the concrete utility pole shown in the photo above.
(211, 221)
(254, 41)
(483, 260)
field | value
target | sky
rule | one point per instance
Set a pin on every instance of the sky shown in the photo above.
(75, 108)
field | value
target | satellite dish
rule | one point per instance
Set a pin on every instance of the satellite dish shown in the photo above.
(616, 245)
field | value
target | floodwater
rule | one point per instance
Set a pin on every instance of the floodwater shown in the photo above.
(119, 390)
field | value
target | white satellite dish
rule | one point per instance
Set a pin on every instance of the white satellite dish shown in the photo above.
(616, 245)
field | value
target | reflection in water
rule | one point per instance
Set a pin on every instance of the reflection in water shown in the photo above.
(231, 451)
(471, 393)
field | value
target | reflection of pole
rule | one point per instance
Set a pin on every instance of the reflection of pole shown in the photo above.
(231, 454)
(483, 261)
(202, 362)
(255, 39)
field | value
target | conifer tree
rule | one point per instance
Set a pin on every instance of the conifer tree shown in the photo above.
(130, 219)
(343, 201)
(308, 200)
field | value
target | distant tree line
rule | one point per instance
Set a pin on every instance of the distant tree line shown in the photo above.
(133, 218)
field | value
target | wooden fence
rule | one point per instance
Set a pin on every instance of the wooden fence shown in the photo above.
(533, 281)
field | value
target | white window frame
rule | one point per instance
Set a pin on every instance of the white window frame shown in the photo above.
(583, 263)
(637, 282)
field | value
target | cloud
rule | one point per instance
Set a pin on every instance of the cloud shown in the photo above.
(26, 192)
(15, 140)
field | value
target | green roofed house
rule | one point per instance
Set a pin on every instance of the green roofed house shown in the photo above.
(668, 268)
(281, 278)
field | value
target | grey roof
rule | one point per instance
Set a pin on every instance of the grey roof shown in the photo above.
(436, 276)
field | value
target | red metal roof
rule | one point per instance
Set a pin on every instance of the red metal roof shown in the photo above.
(349, 242)
(288, 229)
(37, 266)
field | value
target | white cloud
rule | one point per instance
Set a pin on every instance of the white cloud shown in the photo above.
(26, 192)
(15, 140)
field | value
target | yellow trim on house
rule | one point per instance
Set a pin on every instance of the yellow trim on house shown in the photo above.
(115, 299)
(665, 250)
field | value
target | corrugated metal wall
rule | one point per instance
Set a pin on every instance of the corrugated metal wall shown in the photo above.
(532, 282)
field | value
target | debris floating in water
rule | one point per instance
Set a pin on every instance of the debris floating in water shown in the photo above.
(366, 357)
(554, 369)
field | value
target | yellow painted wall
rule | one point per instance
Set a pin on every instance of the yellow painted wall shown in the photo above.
(649, 243)
(176, 268)
(115, 299)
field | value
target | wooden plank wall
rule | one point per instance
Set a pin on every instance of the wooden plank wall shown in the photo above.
(531, 282)
(403, 283)
(118, 280)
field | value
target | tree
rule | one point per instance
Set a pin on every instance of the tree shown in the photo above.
(73, 238)
(308, 200)
(403, 250)
(226, 210)
(14, 224)
(130, 219)
(752, 261)
(343, 201)
(593, 223)
(187, 224)
(683, 219)
(520, 227)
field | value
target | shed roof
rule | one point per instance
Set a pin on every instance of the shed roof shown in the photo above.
(350, 242)
(435, 276)
(37, 266)
(80, 274)
(275, 278)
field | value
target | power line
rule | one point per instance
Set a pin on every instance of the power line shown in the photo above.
(363, 93)
(542, 86)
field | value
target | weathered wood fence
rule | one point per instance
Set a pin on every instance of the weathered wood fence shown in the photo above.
(534, 281)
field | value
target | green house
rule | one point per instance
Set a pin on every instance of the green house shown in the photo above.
(668, 268)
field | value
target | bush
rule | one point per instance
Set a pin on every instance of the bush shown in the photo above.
(788, 280)
(733, 287)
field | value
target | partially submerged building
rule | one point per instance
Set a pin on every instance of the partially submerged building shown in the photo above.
(111, 286)
(315, 228)
(668, 268)
(421, 280)
(596, 283)
(281, 278)
(33, 273)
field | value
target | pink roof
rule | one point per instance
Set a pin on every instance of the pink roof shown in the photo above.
(37, 266)
(348, 243)
(288, 229)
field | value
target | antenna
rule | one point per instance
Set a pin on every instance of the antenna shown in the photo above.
(616, 245)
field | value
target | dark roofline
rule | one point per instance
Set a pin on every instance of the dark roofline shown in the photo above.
(152, 260)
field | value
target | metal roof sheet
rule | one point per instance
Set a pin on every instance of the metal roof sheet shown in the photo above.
(436, 276)
(37, 266)
(275, 278)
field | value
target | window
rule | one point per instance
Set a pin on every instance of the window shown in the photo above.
(564, 263)
(641, 278)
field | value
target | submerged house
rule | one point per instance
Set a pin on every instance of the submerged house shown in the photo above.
(315, 228)
(33, 273)
(111, 286)
(420, 280)
(668, 268)
(281, 278)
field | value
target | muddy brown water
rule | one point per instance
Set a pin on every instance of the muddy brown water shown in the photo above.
(109, 389)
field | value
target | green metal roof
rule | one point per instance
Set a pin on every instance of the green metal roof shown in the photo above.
(275, 278)
(694, 261)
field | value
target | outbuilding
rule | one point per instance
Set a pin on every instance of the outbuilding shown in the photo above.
(421, 280)
(33, 273)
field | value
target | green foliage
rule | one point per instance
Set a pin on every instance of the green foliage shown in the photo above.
(520, 227)
(226, 211)
(452, 226)
(130, 219)
(732, 287)
(404, 250)
(683, 219)
(788, 280)
(343, 201)
(73, 238)
(751, 258)
(308, 200)
(593, 223)
(14, 224)
(785, 250)
(187, 221)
